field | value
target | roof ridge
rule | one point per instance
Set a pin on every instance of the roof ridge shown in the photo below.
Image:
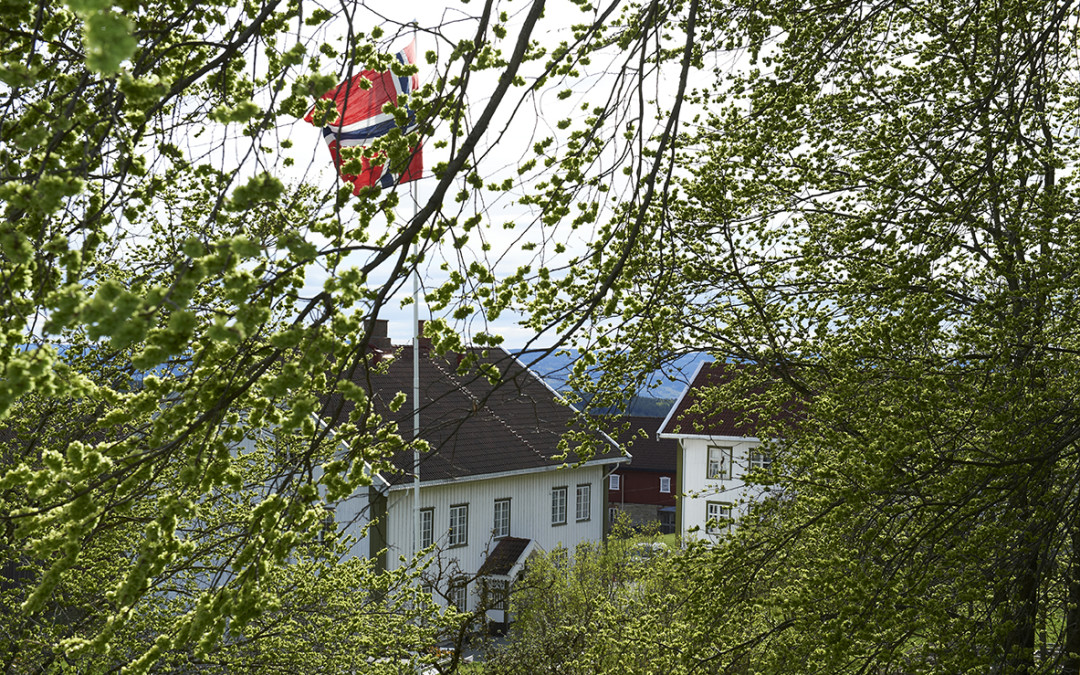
(480, 404)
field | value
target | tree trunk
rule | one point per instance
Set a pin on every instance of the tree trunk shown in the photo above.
(1071, 664)
(1020, 643)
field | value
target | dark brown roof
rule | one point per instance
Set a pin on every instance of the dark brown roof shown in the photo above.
(714, 421)
(474, 427)
(504, 556)
(649, 452)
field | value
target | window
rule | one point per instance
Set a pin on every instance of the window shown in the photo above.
(427, 527)
(613, 481)
(612, 513)
(583, 503)
(760, 460)
(459, 525)
(719, 463)
(665, 484)
(667, 520)
(718, 517)
(558, 506)
(495, 593)
(459, 595)
(328, 529)
(501, 528)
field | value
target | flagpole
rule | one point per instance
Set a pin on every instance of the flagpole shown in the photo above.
(416, 382)
(416, 362)
(387, 90)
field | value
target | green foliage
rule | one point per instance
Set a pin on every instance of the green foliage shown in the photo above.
(610, 606)
(877, 215)
(109, 41)
(177, 307)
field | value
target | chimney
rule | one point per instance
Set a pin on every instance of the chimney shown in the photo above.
(378, 338)
(423, 342)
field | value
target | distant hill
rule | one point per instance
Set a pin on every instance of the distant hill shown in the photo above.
(649, 407)
(642, 406)
(654, 400)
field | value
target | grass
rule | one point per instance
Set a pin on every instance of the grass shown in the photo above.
(672, 540)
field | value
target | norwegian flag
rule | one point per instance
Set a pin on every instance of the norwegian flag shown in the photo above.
(361, 120)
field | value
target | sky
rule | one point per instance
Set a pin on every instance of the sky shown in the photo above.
(520, 127)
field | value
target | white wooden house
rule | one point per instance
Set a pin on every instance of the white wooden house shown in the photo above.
(492, 489)
(715, 451)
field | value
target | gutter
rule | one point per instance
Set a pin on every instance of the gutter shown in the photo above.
(507, 474)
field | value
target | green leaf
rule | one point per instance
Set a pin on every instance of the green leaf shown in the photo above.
(109, 41)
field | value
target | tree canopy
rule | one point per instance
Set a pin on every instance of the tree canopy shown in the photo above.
(182, 289)
(877, 215)
(871, 205)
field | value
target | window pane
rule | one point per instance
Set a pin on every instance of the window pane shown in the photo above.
(718, 517)
(719, 463)
(459, 595)
(583, 502)
(665, 484)
(427, 527)
(459, 525)
(558, 506)
(329, 526)
(494, 594)
(501, 526)
(613, 481)
(499, 592)
(760, 460)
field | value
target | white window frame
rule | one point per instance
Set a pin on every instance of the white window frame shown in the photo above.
(328, 527)
(718, 462)
(759, 460)
(558, 505)
(613, 481)
(583, 502)
(665, 485)
(427, 527)
(501, 522)
(459, 594)
(459, 525)
(718, 517)
(496, 593)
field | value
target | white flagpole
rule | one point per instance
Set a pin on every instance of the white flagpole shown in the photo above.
(416, 363)
(416, 387)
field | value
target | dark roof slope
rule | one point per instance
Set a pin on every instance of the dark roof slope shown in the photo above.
(504, 556)
(649, 452)
(474, 427)
(712, 422)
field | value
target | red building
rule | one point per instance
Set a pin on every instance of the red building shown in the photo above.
(644, 489)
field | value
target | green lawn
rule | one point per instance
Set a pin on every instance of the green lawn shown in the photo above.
(672, 540)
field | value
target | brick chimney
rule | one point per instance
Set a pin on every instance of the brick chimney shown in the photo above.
(423, 342)
(379, 338)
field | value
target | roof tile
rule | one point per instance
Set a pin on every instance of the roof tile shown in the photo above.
(473, 426)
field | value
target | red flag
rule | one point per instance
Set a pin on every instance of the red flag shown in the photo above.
(361, 120)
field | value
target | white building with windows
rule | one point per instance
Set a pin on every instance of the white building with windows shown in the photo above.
(494, 487)
(715, 452)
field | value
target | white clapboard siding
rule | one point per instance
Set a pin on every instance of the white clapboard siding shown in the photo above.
(352, 515)
(530, 514)
(697, 490)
